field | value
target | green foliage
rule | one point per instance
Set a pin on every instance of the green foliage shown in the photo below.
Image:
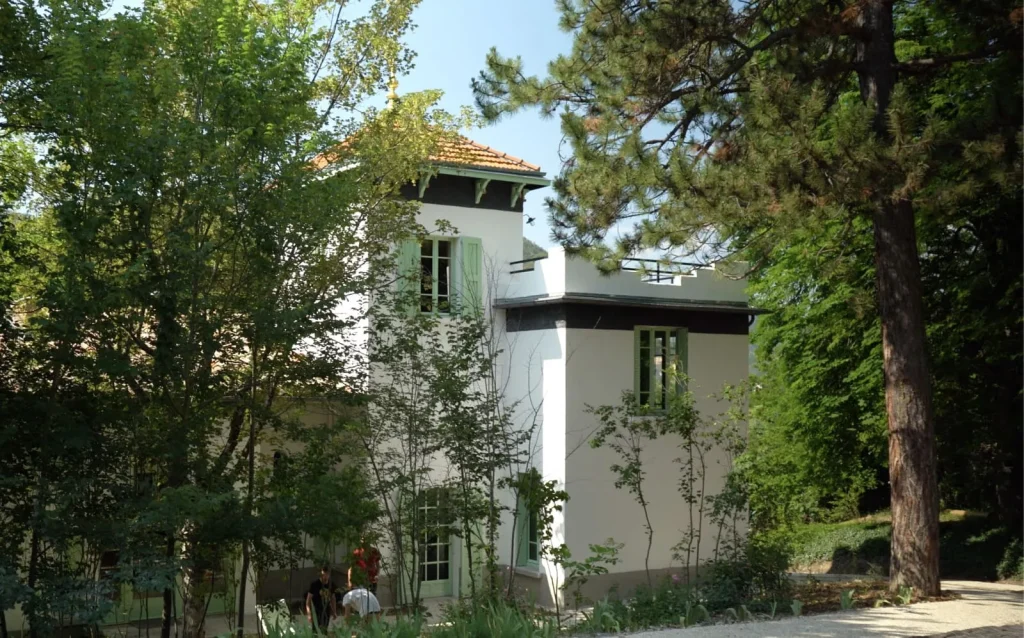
(977, 547)
(905, 595)
(1011, 566)
(579, 572)
(188, 257)
(494, 619)
(600, 619)
(770, 133)
(846, 598)
(756, 571)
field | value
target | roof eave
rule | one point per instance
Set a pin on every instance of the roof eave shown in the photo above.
(732, 307)
(534, 179)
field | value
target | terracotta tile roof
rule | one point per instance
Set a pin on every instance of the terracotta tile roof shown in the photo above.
(460, 151)
(465, 152)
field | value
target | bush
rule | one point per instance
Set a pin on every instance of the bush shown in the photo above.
(1011, 567)
(755, 573)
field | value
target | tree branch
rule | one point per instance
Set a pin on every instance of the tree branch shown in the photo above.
(923, 65)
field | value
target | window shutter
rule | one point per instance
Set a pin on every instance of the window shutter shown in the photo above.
(471, 256)
(636, 364)
(408, 267)
(682, 355)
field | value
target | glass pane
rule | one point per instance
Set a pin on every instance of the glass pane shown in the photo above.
(533, 551)
(443, 555)
(432, 553)
(444, 248)
(443, 277)
(427, 248)
(432, 572)
(423, 572)
(645, 371)
(442, 572)
(432, 539)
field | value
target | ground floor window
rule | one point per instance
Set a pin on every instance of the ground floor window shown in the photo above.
(529, 537)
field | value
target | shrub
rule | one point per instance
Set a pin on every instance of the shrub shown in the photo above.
(1012, 564)
(754, 572)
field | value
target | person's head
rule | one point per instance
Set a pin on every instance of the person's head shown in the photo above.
(325, 573)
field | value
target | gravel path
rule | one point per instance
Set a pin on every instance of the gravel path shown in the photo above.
(986, 610)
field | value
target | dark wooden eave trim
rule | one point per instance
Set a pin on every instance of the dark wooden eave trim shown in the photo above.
(737, 307)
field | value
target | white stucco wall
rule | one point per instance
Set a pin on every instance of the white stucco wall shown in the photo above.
(599, 368)
(559, 275)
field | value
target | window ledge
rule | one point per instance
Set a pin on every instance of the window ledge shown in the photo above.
(530, 572)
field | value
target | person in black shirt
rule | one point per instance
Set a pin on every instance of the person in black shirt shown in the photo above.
(320, 599)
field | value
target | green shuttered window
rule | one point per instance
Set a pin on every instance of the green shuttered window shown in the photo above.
(659, 358)
(446, 273)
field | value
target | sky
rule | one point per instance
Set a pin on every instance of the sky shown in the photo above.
(451, 40)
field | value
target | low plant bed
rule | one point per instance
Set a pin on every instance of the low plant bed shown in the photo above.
(822, 597)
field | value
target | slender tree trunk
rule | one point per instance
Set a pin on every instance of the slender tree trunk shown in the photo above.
(194, 606)
(33, 574)
(3, 624)
(915, 498)
(167, 616)
(251, 477)
(915, 502)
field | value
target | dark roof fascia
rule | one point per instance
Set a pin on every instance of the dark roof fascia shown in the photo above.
(631, 302)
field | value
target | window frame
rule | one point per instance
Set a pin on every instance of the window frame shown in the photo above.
(678, 359)
(434, 265)
(526, 516)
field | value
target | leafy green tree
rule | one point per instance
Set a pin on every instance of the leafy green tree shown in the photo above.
(203, 245)
(817, 439)
(718, 128)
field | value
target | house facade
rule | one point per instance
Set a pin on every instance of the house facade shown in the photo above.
(570, 338)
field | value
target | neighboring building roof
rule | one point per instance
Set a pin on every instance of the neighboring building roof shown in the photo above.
(465, 152)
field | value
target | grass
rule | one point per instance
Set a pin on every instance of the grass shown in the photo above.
(972, 547)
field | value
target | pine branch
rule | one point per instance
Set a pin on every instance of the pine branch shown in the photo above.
(924, 65)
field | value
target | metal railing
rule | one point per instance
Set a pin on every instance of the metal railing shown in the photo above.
(660, 271)
(531, 261)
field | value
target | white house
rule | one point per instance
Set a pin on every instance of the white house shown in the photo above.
(574, 338)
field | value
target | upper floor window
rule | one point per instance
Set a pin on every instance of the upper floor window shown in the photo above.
(659, 361)
(435, 275)
(446, 274)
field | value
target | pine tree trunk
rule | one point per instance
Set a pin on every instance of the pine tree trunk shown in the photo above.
(915, 498)
(908, 402)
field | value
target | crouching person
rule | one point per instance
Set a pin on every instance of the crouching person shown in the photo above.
(361, 602)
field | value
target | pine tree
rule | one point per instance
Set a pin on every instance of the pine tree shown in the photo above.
(722, 128)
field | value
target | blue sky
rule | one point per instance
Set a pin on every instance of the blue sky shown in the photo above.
(452, 38)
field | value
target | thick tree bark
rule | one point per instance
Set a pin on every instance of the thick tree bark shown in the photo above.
(912, 477)
(908, 402)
